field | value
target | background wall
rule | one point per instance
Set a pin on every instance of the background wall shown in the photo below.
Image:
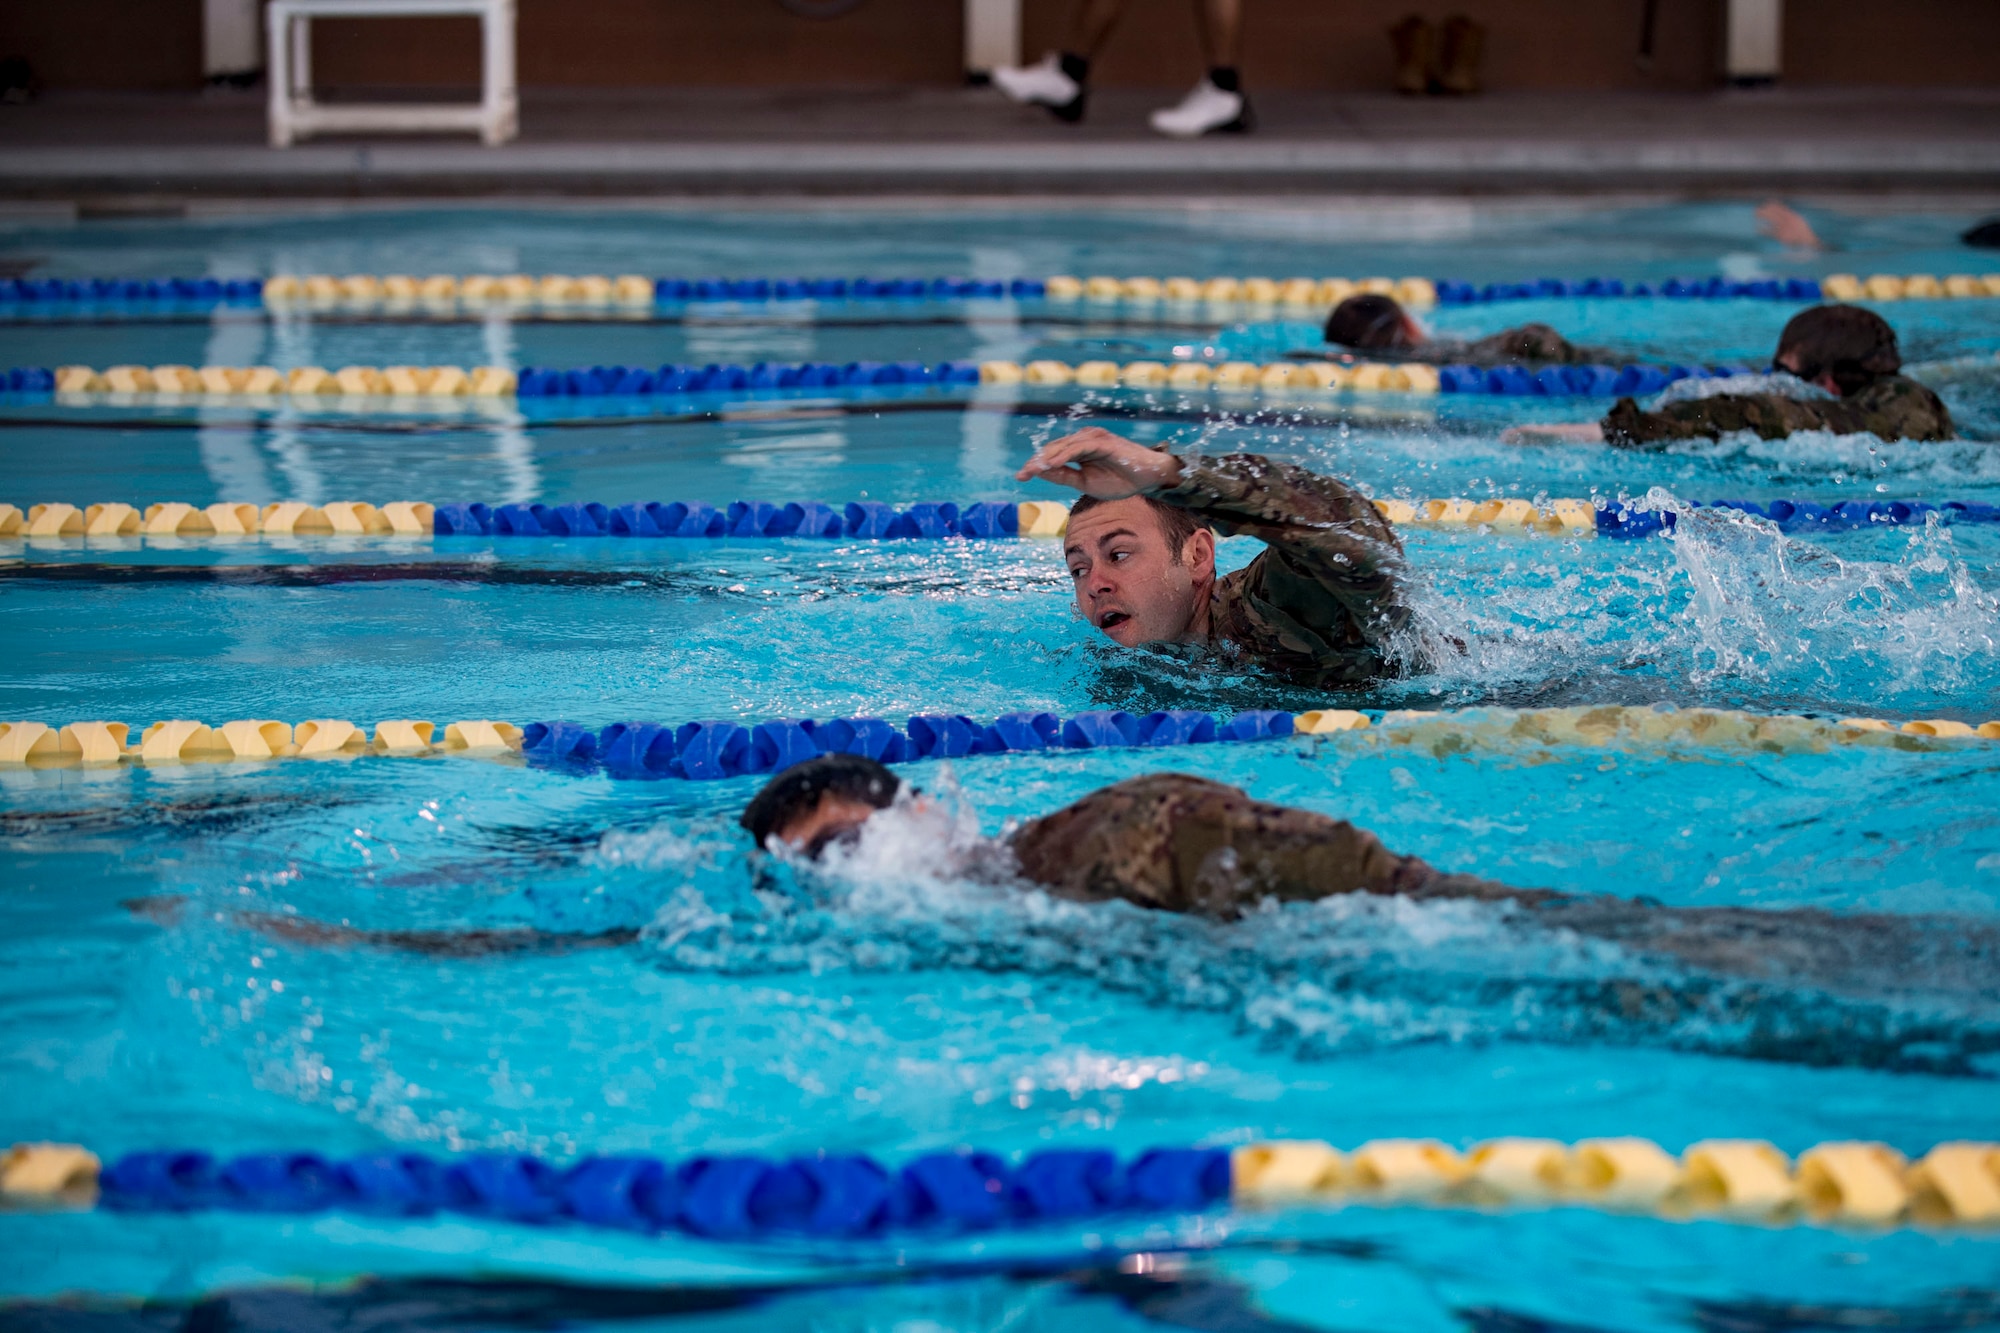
(1908, 43)
(144, 45)
(644, 43)
(1331, 45)
(1342, 44)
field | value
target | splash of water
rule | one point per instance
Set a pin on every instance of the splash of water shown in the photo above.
(1765, 604)
(1781, 384)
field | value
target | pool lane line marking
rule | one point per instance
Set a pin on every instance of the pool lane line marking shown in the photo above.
(716, 749)
(1847, 1184)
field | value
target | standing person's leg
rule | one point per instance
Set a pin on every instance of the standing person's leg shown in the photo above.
(1060, 80)
(1090, 27)
(1219, 24)
(1217, 104)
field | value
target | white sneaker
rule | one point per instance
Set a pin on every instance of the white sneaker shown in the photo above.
(1043, 84)
(1206, 110)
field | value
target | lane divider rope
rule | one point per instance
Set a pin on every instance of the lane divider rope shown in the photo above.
(410, 384)
(1844, 1184)
(557, 289)
(721, 748)
(877, 521)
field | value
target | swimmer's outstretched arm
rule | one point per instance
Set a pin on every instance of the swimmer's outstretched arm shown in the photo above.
(1551, 431)
(478, 943)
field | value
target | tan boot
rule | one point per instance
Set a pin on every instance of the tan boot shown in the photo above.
(1458, 65)
(1415, 44)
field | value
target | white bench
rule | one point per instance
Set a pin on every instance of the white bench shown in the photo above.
(294, 114)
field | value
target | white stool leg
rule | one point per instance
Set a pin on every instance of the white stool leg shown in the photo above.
(498, 95)
(276, 27)
(302, 61)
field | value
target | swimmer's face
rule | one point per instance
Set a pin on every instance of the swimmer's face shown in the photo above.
(1789, 360)
(836, 819)
(1128, 583)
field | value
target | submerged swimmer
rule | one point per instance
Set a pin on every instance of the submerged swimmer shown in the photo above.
(1378, 324)
(1321, 603)
(1177, 843)
(1843, 350)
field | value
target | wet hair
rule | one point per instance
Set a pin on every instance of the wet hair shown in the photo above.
(1855, 346)
(1176, 523)
(797, 791)
(1371, 322)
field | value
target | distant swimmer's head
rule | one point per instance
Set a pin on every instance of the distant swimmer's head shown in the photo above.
(1143, 569)
(1842, 348)
(1372, 323)
(812, 806)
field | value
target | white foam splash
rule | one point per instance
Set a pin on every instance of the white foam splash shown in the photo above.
(1766, 604)
(1780, 383)
(657, 848)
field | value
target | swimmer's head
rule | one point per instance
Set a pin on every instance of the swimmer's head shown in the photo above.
(812, 806)
(1142, 568)
(1372, 323)
(1842, 348)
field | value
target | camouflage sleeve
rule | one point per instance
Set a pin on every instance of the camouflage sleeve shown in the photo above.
(1332, 587)
(1771, 416)
(1893, 408)
(1899, 408)
(1179, 843)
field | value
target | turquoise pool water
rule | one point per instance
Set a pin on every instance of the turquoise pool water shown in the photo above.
(895, 1009)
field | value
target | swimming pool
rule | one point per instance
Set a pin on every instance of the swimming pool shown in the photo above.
(890, 1011)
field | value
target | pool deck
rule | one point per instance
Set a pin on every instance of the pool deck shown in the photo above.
(131, 151)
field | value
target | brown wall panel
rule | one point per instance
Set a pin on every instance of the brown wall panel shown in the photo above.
(396, 53)
(1333, 45)
(1342, 45)
(650, 43)
(1896, 43)
(149, 45)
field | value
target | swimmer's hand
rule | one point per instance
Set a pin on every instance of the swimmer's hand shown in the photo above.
(1786, 227)
(1550, 432)
(1101, 464)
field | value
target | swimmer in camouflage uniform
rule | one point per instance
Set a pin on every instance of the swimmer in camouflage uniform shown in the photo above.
(1844, 350)
(1378, 325)
(1320, 604)
(1176, 843)
(1880, 990)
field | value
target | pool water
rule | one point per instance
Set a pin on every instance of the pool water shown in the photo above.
(896, 1007)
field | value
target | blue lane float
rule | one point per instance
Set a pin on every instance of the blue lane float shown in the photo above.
(1590, 381)
(28, 379)
(1626, 520)
(680, 290)
(671, 379)
(1451, 292)
(744, 518)
(178, 292)
(709, 750)
(722, 1197)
